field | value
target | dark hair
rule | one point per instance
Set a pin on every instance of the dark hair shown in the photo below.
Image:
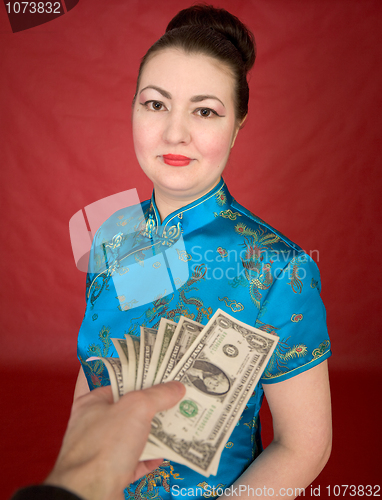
(216, 33)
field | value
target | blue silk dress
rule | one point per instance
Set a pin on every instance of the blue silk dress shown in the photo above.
(210, 254)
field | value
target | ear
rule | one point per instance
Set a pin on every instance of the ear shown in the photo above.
(239, 126)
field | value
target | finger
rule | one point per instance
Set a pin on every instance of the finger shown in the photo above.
(101, 394)
(146, 467)
(165, 396)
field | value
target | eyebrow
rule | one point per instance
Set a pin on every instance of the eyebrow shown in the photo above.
(165, 94)
(199, 98)
(195, 98)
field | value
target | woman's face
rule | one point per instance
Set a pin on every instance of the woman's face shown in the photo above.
(184, 122)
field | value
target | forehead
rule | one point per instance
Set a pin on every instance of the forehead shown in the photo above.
(181, 73)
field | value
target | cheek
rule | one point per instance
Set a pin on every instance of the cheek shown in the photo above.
(143, 137)
(215, 146)
(138, 141)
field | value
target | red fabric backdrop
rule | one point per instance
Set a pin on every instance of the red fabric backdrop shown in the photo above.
(307, 161)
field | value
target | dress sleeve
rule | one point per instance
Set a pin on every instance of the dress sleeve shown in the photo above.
(295, 312)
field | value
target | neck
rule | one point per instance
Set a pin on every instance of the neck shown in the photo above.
(167, 203)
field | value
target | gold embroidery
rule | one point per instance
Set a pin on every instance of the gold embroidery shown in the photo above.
(320, 350)
(123, 222)
(232, 304)
(313, 283)
(170, 235)
(125, 306)
(228, 214)
(296, 351)
(122, 270)
(220, 197)
(296, 318)
(295, 282)
(147, 484)
(150, 226)
(211, 491)
(183, 255)
(115, 242)
(222, 251)
(200, 203)
(260, 240)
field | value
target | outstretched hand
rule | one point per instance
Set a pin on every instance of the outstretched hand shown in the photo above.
(104, 440)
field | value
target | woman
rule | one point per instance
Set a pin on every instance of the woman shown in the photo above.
(191, 100)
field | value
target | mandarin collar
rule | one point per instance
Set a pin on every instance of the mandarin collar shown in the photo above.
(193, 216)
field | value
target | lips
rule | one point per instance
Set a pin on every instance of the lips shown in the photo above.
(176, 160)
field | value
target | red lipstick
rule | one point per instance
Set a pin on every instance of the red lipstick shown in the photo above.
(176, 160)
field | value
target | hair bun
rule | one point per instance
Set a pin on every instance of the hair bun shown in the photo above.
(220, 20)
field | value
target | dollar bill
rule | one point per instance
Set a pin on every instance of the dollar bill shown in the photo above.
(133, 346)
(165, 333)
(186, 332)
(114, 369)
(128, 364)
(147, 342)
(121, 348)
(220, 371)
(220, 364)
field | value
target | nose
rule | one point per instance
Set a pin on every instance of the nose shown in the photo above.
(176, 130)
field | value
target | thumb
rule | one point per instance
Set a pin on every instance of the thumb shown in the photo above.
(164, 396)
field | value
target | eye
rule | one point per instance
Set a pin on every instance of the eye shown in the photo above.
(206, 112)
(154, 105)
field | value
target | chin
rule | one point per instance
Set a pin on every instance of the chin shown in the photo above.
(181, 181)
(177, 186)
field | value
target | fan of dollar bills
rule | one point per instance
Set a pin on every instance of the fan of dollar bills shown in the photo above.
(219, 363)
